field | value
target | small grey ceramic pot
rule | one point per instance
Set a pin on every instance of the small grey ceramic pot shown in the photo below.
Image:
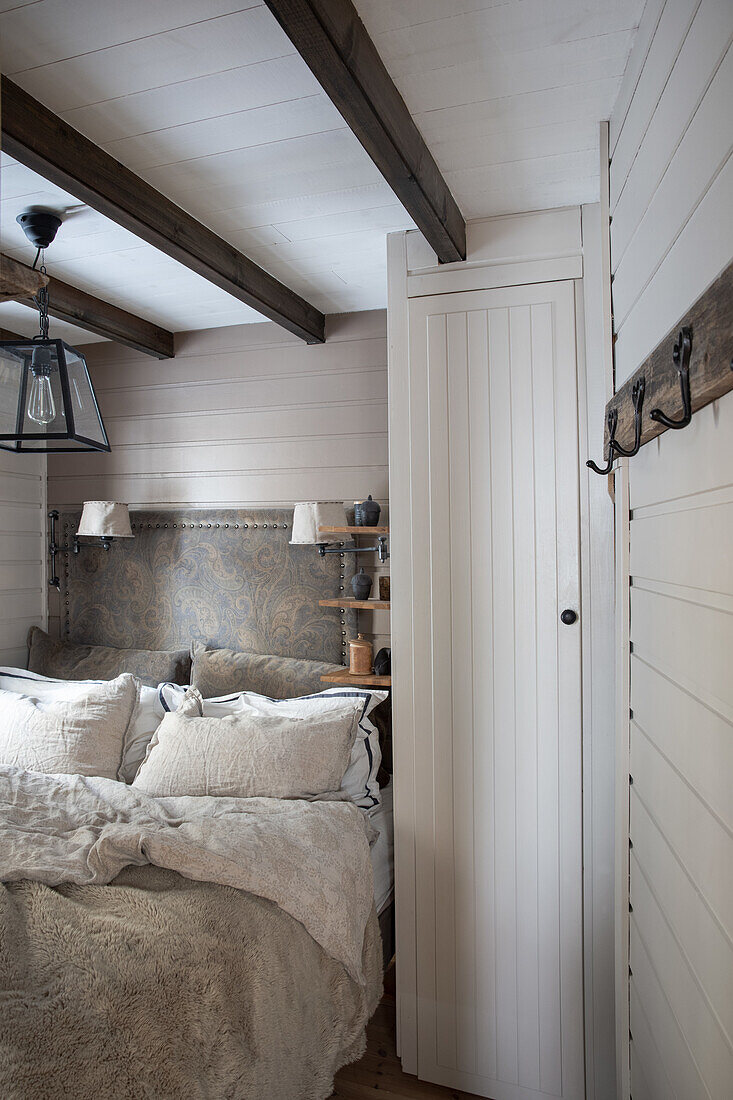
(361, 585)
(368, 512)
(383, 662)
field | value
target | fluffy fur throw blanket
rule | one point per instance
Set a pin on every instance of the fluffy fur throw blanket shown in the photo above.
(244, 964)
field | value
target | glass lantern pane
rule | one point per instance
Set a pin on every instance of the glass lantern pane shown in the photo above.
(87, 421)
(11, 374)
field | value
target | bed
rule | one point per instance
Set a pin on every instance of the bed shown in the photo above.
(172, 944)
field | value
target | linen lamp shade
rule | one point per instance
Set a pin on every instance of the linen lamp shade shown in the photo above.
(105, 519)
(308, 517)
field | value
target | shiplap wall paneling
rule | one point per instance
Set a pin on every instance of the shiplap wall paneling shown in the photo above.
(622, 680)
(671, 235)
(671, 171)
(239, 417)
(22, 552)
(242, 416)
(497, 779)
(681, 952)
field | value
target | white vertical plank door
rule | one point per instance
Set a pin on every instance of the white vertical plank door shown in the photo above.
(493, 477)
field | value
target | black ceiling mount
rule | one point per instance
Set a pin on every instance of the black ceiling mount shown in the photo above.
(39, 226)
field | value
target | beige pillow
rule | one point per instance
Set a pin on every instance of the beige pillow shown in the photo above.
(82, 734)
(217, 672)
(246, 755)
(72, 661)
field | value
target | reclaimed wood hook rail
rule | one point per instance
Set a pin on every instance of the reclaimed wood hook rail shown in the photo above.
(691, 367)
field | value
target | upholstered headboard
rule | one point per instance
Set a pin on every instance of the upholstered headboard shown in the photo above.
(230, 578)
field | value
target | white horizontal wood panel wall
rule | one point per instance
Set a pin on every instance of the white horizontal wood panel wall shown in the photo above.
(681, 760)
(242, 416)
(671, 171)
(22, 552)
(671, 188)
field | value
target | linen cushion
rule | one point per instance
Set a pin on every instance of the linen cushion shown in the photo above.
(217, 672)
(72, 661)
(81, 734)
(360, 779)
(145, 720)
(247, 754)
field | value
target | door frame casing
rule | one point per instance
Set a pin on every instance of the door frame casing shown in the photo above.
(518, 242)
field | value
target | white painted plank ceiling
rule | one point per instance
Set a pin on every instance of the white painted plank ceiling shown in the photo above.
(209, 102)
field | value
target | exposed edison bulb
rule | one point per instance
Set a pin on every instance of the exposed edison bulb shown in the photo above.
(41, 405)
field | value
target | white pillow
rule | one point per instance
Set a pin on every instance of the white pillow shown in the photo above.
(81, 734)
(360, 780)
(247, 755)
(146, 719)
(148, 716)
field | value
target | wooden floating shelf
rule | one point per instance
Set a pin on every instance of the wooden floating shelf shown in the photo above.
(370, 680)
(353, 530)
(357, 605)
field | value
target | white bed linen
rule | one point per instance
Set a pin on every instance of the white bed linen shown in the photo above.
(146, 719)
(382, 850)
(360, 780)
(310, 858)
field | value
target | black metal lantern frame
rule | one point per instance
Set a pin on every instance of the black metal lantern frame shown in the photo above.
(77, 423)
(47, 401)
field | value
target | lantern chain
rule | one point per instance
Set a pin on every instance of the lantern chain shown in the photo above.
(41, 300)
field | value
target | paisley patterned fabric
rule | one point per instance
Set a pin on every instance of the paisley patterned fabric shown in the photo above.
(68, 661)
(228, 578)
(217, 672)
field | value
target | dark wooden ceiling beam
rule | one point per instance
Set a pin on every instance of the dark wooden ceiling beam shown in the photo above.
(333, 42)
(15, 337)
(68, 303)
(39, 139)
(16, 278)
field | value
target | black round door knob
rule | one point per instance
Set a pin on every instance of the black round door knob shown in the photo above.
(568, 616)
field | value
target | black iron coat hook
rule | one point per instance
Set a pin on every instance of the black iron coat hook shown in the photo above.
(681, 357)
(614, 448)
(611, 421)
(637, 396)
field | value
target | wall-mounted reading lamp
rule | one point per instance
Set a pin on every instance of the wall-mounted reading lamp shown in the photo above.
(381, 548)
(101, 520)
(311, 518)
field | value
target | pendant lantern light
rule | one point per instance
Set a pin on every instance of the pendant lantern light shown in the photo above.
(47, 401)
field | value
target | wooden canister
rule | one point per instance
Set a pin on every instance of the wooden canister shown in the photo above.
(360, 656)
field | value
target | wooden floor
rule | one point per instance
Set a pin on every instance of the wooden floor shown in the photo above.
(379, 1071)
